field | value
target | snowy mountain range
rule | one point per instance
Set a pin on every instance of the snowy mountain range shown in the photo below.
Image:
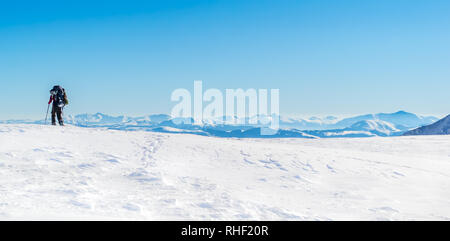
(381, 124)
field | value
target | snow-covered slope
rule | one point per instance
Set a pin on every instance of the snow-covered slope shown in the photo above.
(441, 127)
(86, 173)
(377, 127)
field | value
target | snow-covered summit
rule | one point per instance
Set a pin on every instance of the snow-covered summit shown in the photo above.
(382, 127)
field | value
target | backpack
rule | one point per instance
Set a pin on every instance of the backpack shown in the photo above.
(59, 96)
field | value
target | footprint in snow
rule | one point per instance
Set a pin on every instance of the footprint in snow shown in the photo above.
(206, 205)
(398, 174)
(331, 168)
(112, 161)
(85, 166)
(384, 209)
(80, 204)
(131, 207)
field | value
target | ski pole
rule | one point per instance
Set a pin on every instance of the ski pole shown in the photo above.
(46, 115)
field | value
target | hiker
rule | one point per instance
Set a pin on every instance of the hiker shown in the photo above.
(59, 98)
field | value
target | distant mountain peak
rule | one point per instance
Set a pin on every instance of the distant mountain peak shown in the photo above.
(402, 112)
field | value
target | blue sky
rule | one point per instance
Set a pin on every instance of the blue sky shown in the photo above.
(126, 57)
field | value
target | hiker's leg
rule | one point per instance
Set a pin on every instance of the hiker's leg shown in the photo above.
(53, 115)
(60, 118)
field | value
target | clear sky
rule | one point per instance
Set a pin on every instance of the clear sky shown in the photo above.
(126, 57)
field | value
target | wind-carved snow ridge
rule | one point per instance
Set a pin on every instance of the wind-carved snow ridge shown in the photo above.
(72, 173)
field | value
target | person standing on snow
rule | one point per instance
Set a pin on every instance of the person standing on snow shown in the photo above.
(59, 98)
